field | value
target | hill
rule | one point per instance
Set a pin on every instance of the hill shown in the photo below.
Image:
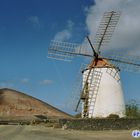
(17, 104)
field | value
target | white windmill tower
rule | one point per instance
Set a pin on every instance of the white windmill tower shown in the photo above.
(101, 93)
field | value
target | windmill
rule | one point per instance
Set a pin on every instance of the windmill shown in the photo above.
(101, 93)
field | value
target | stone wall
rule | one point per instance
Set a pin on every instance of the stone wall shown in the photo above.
(100, 124)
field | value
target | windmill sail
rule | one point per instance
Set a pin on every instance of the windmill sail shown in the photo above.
(93, 87)
(125, 62)
(106, 29)
(65, 51)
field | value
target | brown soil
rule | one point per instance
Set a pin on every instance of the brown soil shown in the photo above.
(14, 103)
(40, 132)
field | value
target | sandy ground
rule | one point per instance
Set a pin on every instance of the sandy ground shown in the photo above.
(40, 132)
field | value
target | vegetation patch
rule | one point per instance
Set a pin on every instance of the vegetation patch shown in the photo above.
(101, 124)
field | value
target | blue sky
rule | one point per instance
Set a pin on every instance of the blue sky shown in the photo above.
(26, 29)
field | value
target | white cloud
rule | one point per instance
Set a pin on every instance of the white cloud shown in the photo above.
(70, 24)
(25, 80)
(35, 21)
(46, 82)
(127, 34)
(66, 33)
(63, 35)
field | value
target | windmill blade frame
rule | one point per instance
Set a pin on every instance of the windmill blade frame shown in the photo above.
(66, 51)
(106, 29)
(129, 63)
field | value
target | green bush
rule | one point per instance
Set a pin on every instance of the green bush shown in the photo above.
(78, 115)
(113, 116)
(132, 109)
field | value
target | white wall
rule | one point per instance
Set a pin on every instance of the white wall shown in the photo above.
(109, 98)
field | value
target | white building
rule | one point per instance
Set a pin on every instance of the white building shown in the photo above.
(105, 95)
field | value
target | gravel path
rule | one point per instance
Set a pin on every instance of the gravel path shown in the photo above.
(19, 132)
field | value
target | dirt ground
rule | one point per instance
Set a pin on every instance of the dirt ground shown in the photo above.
(40, 132)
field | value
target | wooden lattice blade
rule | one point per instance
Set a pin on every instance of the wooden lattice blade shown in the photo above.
(66, 51)
(127, 63)
(77, 87)
(106, 29)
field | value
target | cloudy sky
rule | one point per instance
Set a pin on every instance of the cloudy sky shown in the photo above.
(28, 26)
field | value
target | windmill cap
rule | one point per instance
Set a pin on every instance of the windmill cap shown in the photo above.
(100, 63)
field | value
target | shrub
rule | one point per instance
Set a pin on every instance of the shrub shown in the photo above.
(132, 109)
(78, 115)
(113, 116)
